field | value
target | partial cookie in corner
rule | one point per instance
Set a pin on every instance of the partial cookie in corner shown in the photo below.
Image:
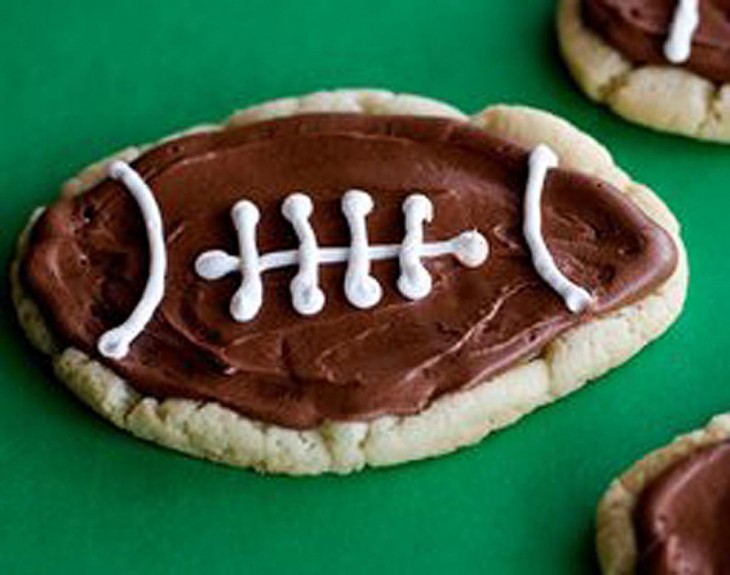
(664, 64)
(346, 279)
(669, 513)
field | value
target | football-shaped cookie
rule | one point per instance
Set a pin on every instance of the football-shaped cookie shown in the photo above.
(346, 279)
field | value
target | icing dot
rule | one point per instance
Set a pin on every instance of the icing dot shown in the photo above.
(245, 211)
(306, 299)
(365, 293)
(113, 344)
(215, 264)
(472, 249)
(415, 285)
(357, 203)
(244, 307)
(420, 206)
(297, 206)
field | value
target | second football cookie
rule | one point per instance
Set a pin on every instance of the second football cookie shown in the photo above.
(669, 512)
(662, 63)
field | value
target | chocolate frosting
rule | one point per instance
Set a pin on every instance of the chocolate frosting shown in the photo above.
(639, 29)
(87, 262)
(682, 517)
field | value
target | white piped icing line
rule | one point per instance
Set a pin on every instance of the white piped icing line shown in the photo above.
(307, 297)
(414, 281)
(115, 342)
(247, 299)
(678, 46)
(213, 265)
(541, 160)
(361, 289)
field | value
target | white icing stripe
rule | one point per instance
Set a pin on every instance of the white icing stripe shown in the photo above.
(361, 289)
(247, 300)
(468, 247)
(307, 298)
(541, 160)
(678, 46)
(115, 342)
(414, 281)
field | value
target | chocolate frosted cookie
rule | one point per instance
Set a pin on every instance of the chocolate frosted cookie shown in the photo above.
(669, 513)
(346, 279)
(661, 63)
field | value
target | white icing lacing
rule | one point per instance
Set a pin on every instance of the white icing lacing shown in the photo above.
(414, 281)
(307, 298)
(541, 160)
(678, 46)
(361, 288)
(115, 342)
(246, 302)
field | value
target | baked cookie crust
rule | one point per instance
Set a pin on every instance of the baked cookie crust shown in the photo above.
(615, 535)
(210, 431)
(664, 98)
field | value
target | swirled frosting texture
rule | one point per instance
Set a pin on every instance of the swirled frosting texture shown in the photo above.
(87, 261)
(683, 516)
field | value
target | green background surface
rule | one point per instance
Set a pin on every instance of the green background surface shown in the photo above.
(79, 80)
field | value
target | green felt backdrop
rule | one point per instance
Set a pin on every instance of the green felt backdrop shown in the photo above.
(79, 79)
